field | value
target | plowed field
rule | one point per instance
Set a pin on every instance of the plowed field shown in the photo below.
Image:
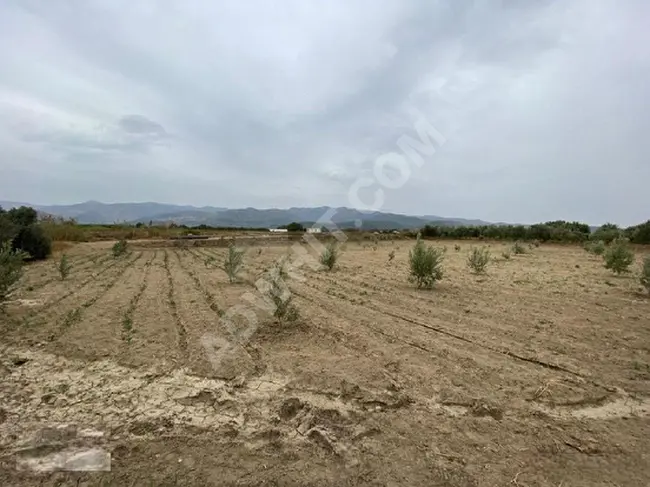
(535, 374)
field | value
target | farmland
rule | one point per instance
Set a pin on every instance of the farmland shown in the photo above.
(534, 374)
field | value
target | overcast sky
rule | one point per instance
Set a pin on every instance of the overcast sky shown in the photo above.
(544, 106)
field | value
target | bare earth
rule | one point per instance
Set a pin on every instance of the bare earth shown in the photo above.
(536, 374)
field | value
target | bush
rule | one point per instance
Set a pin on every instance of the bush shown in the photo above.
(506, 254)
(33, 241)
(478, 259)
(11, 265)
(618, 256)
(391, 255)
(598, 248)
(425, 264)
(607, 233)
(119, 248)
(233, 262)
(645, 273)
(518, 248)
(329, 256)
(457, 248)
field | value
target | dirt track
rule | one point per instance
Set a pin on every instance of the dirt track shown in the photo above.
(537, 374)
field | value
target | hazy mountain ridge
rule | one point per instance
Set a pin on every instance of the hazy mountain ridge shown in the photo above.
(107, 213)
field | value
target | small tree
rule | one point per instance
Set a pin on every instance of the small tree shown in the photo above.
(63, 267)
(478, 259)
(119, 248)
(280, 294)
(645, 273)
(425, 264)
(11, 265)
(329, 256)
(618, 256)
(233, 262)
(391, 255)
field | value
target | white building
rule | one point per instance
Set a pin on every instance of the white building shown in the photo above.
(278, 230)
(314, 230)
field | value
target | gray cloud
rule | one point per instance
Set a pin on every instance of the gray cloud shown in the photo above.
(544, 103)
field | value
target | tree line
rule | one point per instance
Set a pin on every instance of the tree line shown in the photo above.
(554, 231)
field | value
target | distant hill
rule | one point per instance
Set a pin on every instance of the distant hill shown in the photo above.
(102, 213)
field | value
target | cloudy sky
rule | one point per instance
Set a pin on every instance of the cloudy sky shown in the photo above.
(544, 105)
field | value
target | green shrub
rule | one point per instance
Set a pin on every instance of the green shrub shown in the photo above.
(33, 240)
(425, 264)
(518, 248)
(645, 273)
(233, 262)
(329, 256)
(598, 248)
(120, 248)
(618, 257)
(478, 259)
(63, 267)
(284, 310)
(11, 265)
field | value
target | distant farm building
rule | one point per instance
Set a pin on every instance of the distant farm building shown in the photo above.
(314, 230)
(278, 230)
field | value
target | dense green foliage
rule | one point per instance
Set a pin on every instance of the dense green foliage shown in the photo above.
(20, 227)
(639, 234)
(559, 231)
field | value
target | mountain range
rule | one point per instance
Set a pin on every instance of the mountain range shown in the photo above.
(103, 213)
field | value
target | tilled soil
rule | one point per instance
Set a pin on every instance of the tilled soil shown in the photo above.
(148, 368)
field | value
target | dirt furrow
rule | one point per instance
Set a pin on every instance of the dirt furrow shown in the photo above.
(206, 336)
(181, 332)
(154, 336)
(93, 329)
